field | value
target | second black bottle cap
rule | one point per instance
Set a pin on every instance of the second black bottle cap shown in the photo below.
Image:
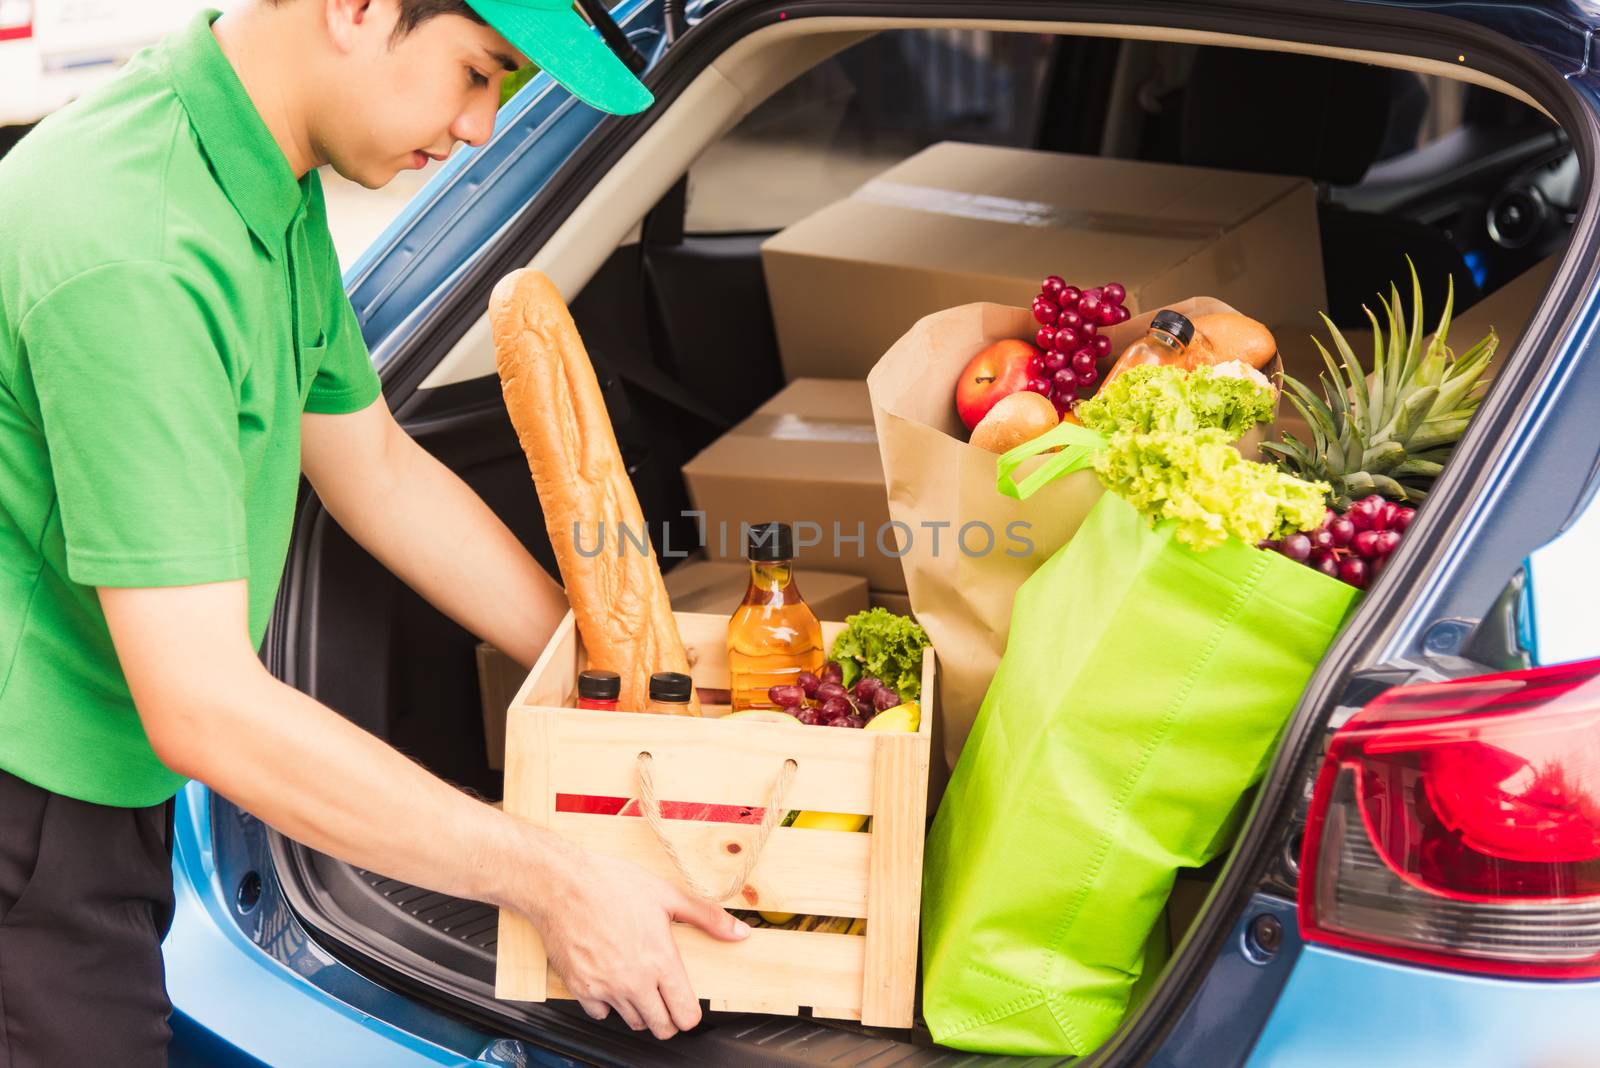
(671, 686)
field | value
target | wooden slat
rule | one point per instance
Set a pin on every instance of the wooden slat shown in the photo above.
(770, 1008)
(771, 967)
(730, 762)
(816, 872)
(930, 693)
(521, 965)
(894, 891)
(554, 678)
(829, 1013)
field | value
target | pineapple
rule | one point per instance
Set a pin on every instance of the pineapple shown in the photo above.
(1388, 431)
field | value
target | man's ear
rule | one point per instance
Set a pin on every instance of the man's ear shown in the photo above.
(353, 24)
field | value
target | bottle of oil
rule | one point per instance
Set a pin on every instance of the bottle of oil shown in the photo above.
(773, 635)
(1170, 333)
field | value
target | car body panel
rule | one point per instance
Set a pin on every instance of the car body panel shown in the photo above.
(1562, 606)
(237, 1003)
(1340, 1007)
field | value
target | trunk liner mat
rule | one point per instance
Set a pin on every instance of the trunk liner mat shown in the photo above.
(442, 932)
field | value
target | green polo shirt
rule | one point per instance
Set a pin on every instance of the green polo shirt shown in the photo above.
(170, 302)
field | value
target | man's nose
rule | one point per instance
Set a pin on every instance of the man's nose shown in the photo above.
(476, 124)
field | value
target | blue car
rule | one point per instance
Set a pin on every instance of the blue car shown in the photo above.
(1400, 894)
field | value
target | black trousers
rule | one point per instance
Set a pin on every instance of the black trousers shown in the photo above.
(85, 900)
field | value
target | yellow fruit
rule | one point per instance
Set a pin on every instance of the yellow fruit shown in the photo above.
(829, 821)
(906, 718)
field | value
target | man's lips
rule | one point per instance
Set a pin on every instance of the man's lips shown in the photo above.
(420, 158)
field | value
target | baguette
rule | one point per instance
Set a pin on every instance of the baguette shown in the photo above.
(618, 598)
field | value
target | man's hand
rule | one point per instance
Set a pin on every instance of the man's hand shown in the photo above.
(605, 924)
(212, 712)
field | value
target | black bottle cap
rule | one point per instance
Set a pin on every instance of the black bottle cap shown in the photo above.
(769, 542)
(1175, 323)
(599, 685)
(671, 686)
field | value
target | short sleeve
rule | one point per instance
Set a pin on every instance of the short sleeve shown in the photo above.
(346, 381)
(141, 419)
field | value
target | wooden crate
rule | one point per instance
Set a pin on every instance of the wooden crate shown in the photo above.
(553, 748)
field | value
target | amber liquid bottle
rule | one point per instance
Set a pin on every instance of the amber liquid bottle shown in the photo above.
(773, 635)
(1170, 333)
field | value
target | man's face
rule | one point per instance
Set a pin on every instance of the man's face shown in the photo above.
(400, 103)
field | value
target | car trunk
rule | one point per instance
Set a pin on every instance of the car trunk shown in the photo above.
(679, 331)
(365, 644)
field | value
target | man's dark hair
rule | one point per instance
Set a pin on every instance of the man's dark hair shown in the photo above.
(414, 13)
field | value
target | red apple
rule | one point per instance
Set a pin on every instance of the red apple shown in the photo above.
(998, 371)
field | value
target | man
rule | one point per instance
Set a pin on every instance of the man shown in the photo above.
(175, 349)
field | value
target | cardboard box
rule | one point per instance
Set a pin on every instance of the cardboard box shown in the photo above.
(1507, 310)
(898, 603)
(809, 457)
(499, 678)
(959, 223)
(716, 587)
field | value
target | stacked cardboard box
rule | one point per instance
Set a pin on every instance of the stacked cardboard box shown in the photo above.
(808, 457)
(958, 223)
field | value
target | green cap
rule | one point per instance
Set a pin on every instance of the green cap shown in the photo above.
(556, 37)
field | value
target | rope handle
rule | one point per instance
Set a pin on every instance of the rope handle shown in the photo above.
(769, 820)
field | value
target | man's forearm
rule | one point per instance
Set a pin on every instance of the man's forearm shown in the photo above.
(427, 526)
(320, 780)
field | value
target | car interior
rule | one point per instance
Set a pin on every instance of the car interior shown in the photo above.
(1468, 179)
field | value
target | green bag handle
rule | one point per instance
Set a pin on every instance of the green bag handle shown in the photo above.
(1079, 447)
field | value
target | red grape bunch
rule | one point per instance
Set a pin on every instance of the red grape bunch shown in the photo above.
(1069, 338)
(822, 700)
(1353, 547)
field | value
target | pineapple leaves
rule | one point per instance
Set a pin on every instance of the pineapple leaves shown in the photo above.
(1417, 469)
(1388, 429)
(1411, 415)
(1383, 457)
(1359, 400)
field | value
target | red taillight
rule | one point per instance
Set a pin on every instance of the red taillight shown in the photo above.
(16, 19)
(1459, 824)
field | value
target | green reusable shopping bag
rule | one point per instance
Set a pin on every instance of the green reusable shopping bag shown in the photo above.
(1141, 691)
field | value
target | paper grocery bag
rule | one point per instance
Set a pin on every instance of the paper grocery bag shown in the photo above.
(966, 549)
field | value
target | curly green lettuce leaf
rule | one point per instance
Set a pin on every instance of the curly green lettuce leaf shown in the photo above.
(1165, 398)
(1199, 481)
(886, 646)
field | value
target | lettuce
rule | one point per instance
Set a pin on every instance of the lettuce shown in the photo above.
(1164, 398)
(886, 646)
(1199, 481)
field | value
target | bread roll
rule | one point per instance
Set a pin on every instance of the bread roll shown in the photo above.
(1015, 418)
(618, 598)
(1224, 336)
